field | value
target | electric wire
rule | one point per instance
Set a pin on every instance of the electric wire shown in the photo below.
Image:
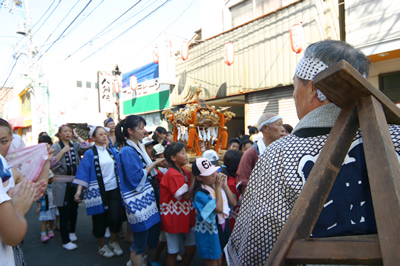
(104, 29)
(5, 82)
(112, 40)
(169, 25)
(59, 2)
(62, 21)
(90, 1)
(43, 14)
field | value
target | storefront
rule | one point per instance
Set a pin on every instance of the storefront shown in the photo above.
(143, 95)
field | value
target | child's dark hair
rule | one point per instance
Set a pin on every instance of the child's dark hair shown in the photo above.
(169, 133)
(244, 142)
(4, 123)
(231, 162)
(253, 130)
(288, 128)
(159, 130)
(172, 150)
(121, 130)
(232, 140)
(45, 139)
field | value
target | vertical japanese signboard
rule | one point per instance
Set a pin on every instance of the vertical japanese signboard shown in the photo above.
(106, 98)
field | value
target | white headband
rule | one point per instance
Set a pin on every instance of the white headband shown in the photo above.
(93, 128)
(308, 68)
(269, 121)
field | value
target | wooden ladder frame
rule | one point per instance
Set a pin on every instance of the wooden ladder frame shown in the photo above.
(365, 107)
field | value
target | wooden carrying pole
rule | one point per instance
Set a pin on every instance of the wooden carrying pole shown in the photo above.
(364, 107)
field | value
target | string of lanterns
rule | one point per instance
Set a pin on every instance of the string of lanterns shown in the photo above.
(296, 34)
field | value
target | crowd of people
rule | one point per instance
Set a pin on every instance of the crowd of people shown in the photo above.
(228, 211)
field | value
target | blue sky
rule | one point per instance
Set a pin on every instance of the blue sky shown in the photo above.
(177, 18)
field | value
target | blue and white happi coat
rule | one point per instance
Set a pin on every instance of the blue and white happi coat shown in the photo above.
(137, 193)
(86, 176)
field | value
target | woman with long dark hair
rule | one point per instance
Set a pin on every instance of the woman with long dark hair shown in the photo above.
(137, 169)
(67, 155)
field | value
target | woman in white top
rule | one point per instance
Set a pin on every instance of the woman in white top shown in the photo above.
(98, 173)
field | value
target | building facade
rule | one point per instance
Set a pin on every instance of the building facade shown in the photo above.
(260, 78)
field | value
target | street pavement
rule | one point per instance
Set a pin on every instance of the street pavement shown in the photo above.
(52, 253)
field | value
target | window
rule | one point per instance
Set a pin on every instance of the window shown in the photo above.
(153, 119)
(96, 85)
(389, 84)
(88, 84)
(79, 84)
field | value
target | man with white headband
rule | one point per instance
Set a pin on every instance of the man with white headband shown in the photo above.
(279, 175)
(270, 126)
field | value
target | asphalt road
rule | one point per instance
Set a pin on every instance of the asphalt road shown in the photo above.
(52, 252)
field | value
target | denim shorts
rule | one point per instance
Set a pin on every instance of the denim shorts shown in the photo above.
(148, 238)
(173, 240)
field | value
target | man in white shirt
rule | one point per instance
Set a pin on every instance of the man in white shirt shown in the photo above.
(16, 142)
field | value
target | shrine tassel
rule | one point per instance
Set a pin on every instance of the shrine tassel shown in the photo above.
(175, 134)
(224, 142)
(174, 129)
(192, 136)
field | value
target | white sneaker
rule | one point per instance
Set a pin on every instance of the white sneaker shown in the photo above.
(107, 233)
(129, 263)
(178, 258)
(105, 252)
(70, 246)
(72, 237)
(114, 247)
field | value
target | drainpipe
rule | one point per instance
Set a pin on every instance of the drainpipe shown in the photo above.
(342, 20)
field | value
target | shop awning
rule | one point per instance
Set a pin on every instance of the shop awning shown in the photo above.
(17, 122)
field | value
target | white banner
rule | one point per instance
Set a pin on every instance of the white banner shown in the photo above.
(106, 98)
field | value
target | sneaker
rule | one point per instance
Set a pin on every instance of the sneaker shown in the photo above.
(70, 246)
(72, 237)
(44, 238)
(105, 252)
(114, 247)
(178, 258)
(50, 234)
(129, 263)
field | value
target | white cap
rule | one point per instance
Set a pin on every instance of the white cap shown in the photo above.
(212, 156)
(203, 167)
(158, 149)
(148, 141)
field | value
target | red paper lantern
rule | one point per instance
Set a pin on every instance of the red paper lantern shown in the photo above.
(133, 82)
(156, 55)
(229, 53)
(116, 86)
(297, 38)
(184, 50)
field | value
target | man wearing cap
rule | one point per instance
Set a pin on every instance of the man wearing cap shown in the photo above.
(270, 125)
(149, 143)
(281, 172)
(112, 140)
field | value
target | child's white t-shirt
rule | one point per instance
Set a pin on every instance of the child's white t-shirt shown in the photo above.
(6, 252)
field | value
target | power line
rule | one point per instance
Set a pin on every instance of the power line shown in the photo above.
(61, 21)
(126, 30)
(84, 18)
(64, 31)
(178, 17)
(16, 60)
(44, 13)
(104, 29)
(59, 2)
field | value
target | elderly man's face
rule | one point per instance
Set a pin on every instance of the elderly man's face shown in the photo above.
(301, 97)
(276, 130)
